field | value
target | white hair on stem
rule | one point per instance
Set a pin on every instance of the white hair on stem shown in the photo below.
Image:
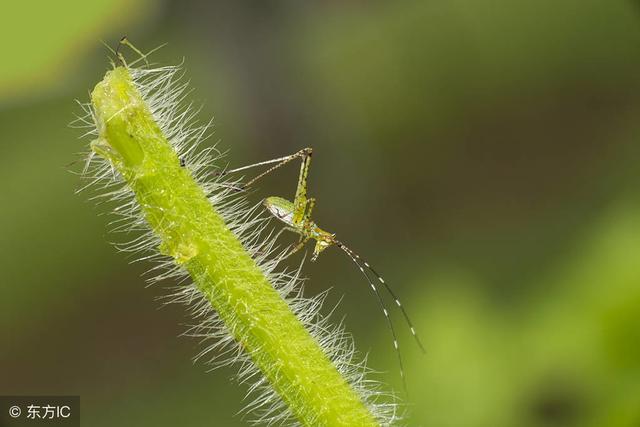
(164, 91)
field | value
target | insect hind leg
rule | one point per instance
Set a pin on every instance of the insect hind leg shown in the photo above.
(280, 161)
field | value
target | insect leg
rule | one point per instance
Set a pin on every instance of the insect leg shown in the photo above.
(125, 42)
(283, 230)
(280, 161)
(311, 203)
(277, 236)
(297, 247)
(300, 202)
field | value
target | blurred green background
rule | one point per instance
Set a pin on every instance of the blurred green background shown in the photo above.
(483, 155)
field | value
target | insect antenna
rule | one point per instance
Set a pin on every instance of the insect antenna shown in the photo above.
(356, 260)
(397, 301)
(388, 288)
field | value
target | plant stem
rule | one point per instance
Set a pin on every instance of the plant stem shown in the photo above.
(195, 235)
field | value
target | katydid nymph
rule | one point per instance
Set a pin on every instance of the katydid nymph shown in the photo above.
(297, 217)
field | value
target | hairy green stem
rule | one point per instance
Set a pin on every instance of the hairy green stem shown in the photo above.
(195, 235)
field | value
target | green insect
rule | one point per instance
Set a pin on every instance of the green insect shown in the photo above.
(297, 217)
